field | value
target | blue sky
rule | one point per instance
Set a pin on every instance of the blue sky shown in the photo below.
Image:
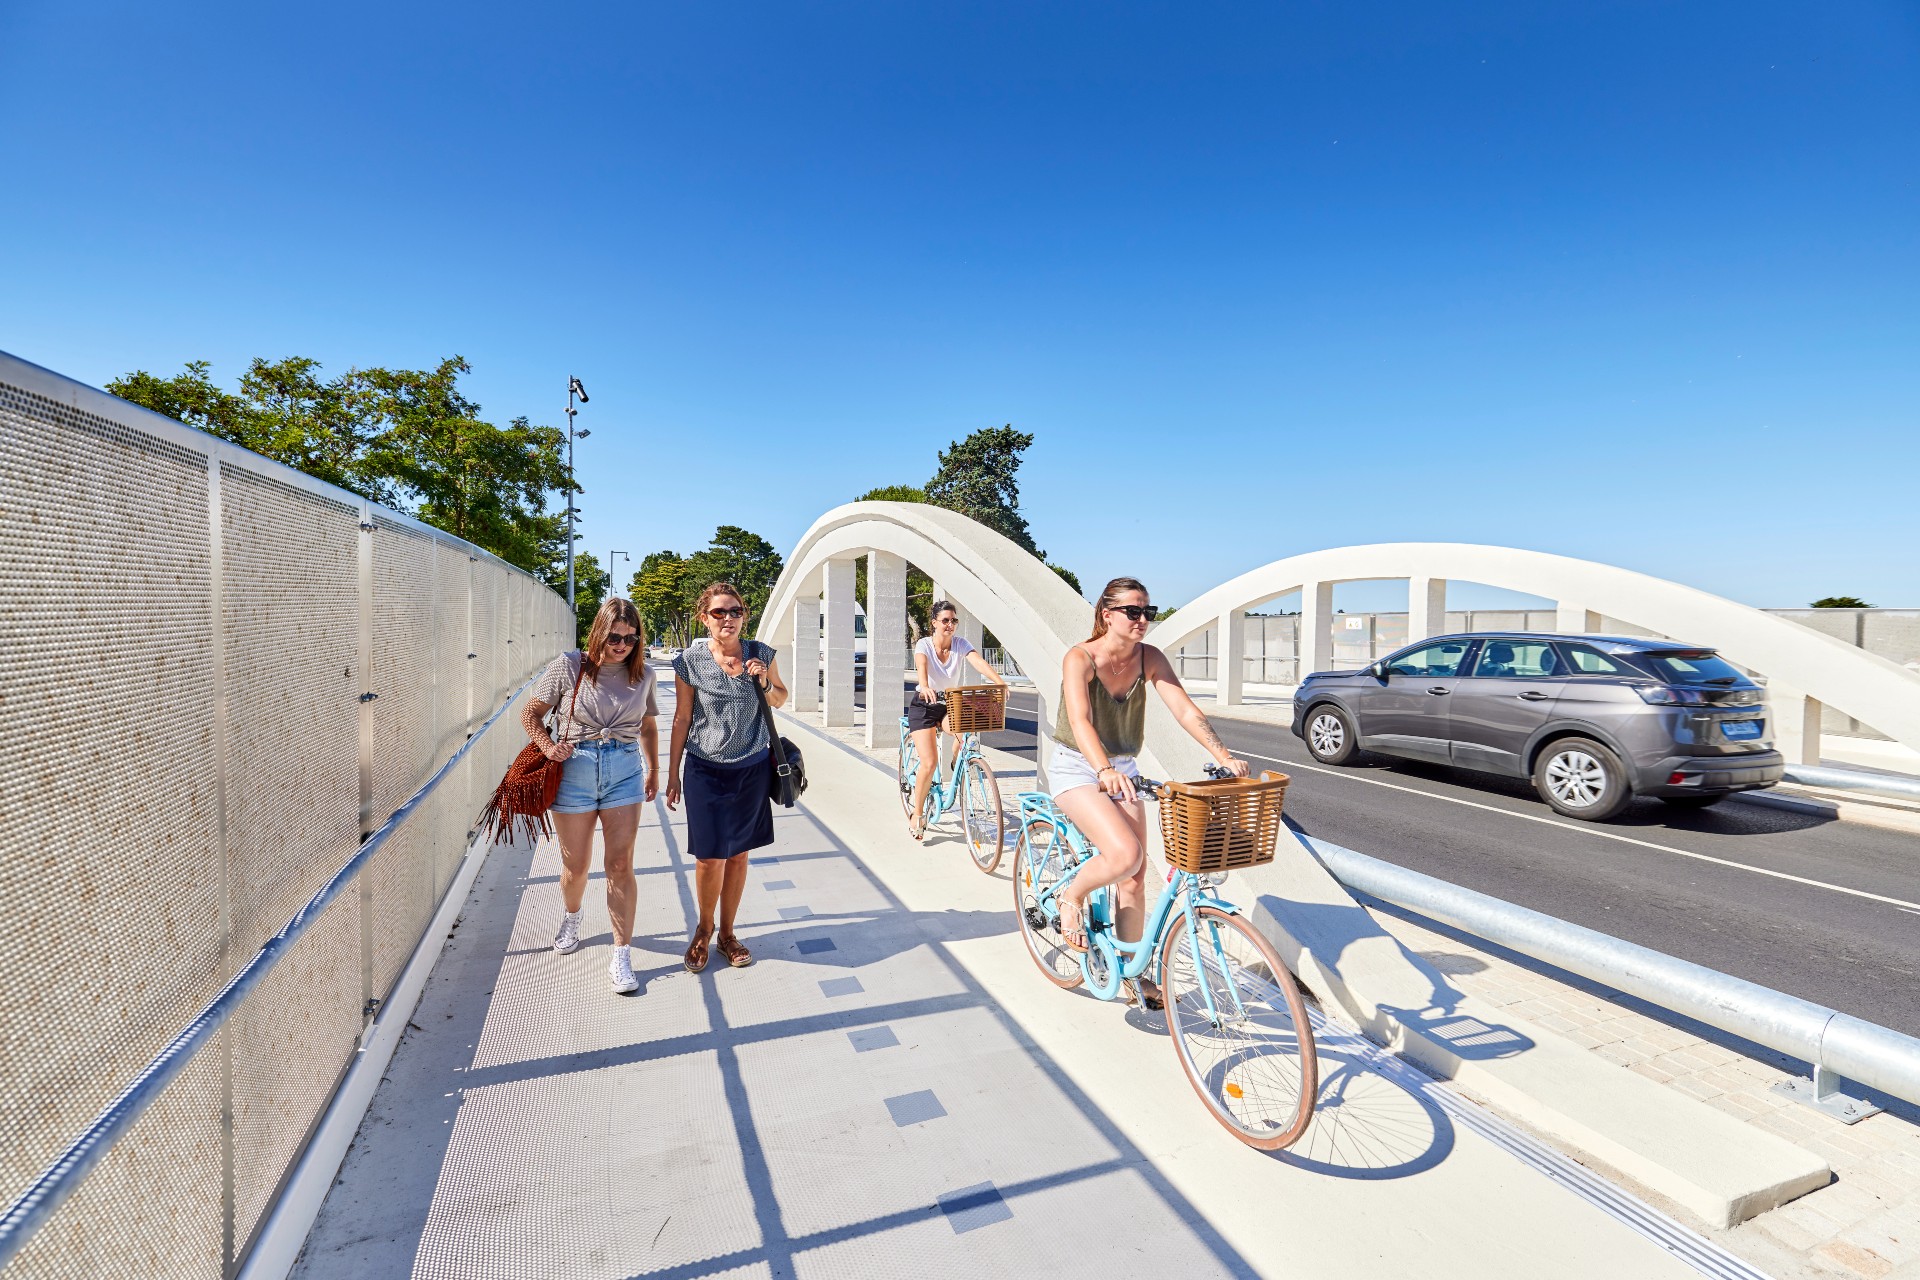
(1633, 282)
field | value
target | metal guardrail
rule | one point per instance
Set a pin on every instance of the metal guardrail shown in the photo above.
(1891, 786)
(63, 1176)
(1834, 1043)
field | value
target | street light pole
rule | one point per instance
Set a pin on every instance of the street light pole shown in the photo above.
(610, 578)
(573, 389)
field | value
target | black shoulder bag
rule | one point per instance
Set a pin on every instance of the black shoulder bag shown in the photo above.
(789, 770)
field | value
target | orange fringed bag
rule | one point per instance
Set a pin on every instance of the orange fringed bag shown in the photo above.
(532, 781)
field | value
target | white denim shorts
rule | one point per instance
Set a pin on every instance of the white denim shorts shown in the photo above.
(1067, 769)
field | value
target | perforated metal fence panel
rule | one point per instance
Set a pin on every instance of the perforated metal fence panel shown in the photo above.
(216, 678)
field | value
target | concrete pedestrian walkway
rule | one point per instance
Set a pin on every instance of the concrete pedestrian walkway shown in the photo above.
(890, 1090)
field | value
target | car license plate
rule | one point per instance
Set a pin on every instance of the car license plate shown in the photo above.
(1740, 730)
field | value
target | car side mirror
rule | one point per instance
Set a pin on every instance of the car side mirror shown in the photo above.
(1378, 670)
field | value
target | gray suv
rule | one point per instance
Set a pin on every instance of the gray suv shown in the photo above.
(1593, 720)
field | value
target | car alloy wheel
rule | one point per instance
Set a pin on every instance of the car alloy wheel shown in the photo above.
(1327, 734)
(1577, 779)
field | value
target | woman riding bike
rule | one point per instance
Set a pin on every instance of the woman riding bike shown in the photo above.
(1100, 729)
(939, 660)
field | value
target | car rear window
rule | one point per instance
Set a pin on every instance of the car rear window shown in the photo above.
(1693, 666)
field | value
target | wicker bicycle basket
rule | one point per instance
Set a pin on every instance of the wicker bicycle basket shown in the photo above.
(1222, 824)
(976, 708)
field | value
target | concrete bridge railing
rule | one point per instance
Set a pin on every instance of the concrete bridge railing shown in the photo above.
(219, 677)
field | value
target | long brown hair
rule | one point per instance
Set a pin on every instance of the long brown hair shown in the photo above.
(1110, 593)
(615, 610)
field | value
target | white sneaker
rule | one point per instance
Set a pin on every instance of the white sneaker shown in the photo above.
(620, 971)
(568, 939)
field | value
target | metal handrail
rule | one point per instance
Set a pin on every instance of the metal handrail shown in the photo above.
(30, 1211)
(1892, 786)
(1832, 1042)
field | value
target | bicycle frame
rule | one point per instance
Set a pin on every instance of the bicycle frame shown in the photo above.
(944, 792)
(1184, 895)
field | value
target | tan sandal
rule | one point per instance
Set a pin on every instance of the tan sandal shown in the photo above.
(696, 958)
(734, 950)
(1074, 938)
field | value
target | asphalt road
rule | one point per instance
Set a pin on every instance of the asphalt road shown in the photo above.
(1709, 886)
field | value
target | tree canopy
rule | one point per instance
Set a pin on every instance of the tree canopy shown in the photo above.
(405, 438)
(978, 477)
(667, 585)
(1841, 602)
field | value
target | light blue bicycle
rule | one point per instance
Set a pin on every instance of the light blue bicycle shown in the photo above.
(968, 781)
(1234, 1012)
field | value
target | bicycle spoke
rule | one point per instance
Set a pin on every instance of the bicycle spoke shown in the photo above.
(1236, 1030)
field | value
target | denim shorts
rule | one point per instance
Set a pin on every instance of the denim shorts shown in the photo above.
(600, 774)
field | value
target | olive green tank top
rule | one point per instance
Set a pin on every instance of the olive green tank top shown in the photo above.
(1121, 723)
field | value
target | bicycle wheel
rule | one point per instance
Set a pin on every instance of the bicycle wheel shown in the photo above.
(908, 765)
(1039, 862)
(1252, 1059)
(982, 819)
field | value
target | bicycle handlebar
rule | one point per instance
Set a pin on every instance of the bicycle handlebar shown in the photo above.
(1150, 787)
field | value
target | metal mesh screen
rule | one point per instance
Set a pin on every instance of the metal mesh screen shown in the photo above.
(106, 727)
(232, 584)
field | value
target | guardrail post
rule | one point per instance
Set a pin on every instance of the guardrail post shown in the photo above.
(1229, 686)
(1315, 643)
(837, 694)
(1426, 608)
(367, 694)
(804, 665)
(1796, 723)
(886, 644)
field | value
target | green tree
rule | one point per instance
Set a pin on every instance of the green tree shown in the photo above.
(978, 477)
(894, 493)
(1072, 579)
(590, 587)
(1841, 602)
(741, 557)
(405, 438)
(662, 591)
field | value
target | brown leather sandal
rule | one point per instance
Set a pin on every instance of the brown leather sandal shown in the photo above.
(1074, 938)
(696, 958)
(734, 950)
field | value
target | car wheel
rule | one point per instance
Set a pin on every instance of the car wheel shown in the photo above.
(1581, 779)
(1330, 736)
(1694, 802)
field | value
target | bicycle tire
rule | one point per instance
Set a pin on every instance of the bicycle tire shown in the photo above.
(1283, 1033)
(903, 773)
(1033, 868)
(985, 834)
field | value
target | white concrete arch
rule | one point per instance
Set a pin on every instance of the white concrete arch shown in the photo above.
(1034, 614)
(1804, 668)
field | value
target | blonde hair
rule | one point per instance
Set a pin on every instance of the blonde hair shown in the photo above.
(616, 609)
(1108, 594)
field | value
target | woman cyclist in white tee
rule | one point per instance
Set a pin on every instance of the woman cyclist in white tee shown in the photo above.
(940, 662)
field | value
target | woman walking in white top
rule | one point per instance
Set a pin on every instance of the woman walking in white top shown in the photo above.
(940, 661)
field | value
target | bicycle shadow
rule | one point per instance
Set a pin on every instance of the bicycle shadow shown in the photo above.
(1368, 1125)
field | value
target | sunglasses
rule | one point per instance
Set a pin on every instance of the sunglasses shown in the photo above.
(731, 611)
(624, 641)
(1135, 612)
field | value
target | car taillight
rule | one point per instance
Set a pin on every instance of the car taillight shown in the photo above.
(1661, 695)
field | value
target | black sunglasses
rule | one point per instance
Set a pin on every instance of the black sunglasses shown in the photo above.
(1135, 612)
(731, 611)
(614, 637)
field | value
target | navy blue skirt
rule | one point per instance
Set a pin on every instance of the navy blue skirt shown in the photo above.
(728, 809)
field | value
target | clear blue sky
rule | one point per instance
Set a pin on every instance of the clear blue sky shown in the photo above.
(1634, 282)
